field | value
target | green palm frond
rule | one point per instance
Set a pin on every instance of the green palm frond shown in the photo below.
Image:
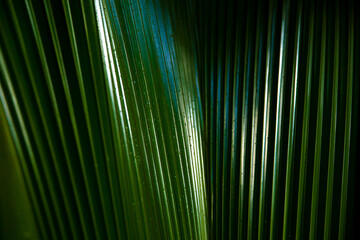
(155, 119)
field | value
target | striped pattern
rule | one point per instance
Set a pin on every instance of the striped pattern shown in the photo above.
(278, 87)
(194, 119)
(106, 118)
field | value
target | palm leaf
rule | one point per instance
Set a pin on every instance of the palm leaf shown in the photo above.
(155, 119)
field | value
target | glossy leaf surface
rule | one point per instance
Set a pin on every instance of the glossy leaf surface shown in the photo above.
(155, 119)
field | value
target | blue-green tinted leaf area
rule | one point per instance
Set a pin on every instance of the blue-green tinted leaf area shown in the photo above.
(194, 119)
(104, 109)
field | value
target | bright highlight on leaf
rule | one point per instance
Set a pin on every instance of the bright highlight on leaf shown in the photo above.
(158, 119)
